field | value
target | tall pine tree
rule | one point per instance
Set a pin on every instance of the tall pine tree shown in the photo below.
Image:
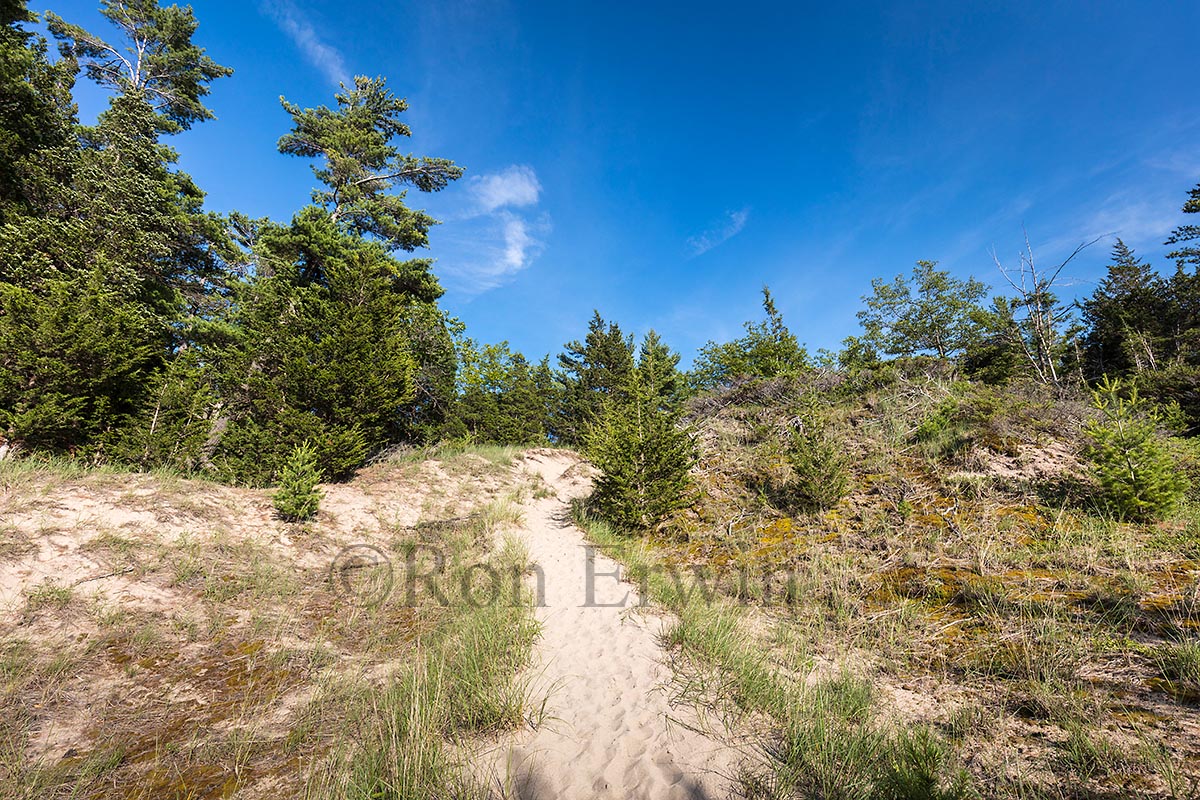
(1125, 318)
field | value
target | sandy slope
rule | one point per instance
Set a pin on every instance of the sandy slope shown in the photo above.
(610, 731)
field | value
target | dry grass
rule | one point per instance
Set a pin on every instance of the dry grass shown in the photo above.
(1044, 649)
(170, 638)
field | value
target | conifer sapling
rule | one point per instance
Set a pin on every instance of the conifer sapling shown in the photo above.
(298, 497)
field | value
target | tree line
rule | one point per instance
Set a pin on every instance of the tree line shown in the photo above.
(138, 327)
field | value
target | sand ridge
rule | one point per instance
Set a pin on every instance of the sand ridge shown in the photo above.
(609, 729)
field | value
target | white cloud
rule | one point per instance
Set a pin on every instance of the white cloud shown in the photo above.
(719, 234)
(498, 233)
(519, 243)
(292, 21)
(514, 186)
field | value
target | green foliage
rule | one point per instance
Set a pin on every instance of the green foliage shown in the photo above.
(644, 457)
(361, 163)
(73, 360)
(1187, 236)
(158, 63)
(818, 462)
(1176, 385)
(323, 358)
(1130, 461)
(995, 355)
(658, 366)
(919, 769)
(502, 397)
(36, 112)
(298, 497)
(592, 374)
(767, 350)
(1126, 318)
(931, 313)
(430, 332)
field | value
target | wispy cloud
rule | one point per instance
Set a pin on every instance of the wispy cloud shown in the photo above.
(729, 227)
(292, 21)
(499, 231)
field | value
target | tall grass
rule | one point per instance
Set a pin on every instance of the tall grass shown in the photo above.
(464, 679)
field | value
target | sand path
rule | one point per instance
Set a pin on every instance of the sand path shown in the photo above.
(609, 731)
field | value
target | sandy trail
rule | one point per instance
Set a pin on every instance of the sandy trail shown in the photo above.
(609, 731)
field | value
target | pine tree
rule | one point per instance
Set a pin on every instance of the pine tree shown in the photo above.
(107, 228)
(818, 463)
(361, 163)
(1125, 318)
(73, 363)
(157, 62)
(339, 343)
(502, 398)
(644, 456)
(326, 361)
(298, 497)
(1187, 237)
(36, 111)
(658, 366)
(591, 373)
(1135, 471)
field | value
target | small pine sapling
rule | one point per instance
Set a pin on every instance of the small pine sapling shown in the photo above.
(819, 469)
(298, 497)
(1130, 460)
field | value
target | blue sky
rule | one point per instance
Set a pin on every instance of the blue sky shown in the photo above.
(660, 162)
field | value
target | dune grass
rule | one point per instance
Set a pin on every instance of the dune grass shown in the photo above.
(825, 740)
(463, 681)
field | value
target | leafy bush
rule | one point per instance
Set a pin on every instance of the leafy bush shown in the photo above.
(298, 497)
(1129, 459)
(644, 458)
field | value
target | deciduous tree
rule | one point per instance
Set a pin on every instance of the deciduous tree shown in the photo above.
(931, 312)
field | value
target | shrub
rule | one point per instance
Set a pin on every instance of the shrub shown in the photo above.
(644, 457)
(298, 497)
(819, 477)
(1129, 459)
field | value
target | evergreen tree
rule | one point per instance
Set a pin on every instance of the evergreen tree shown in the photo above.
(767, 350)
(1037, 326)
(1187, 237)
(1136, 472)
(502, 397)
(107, 222)
(430, 332)
(324, 360)
(36, 111)
(157, 63)
(1125, 318)
(644, 457)
(591, 372)
(995, 355)
(74, 357)
(818, 461)
(339, 343)
(930, 313)
(298, 497)
(658, 366)
(360, 164)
